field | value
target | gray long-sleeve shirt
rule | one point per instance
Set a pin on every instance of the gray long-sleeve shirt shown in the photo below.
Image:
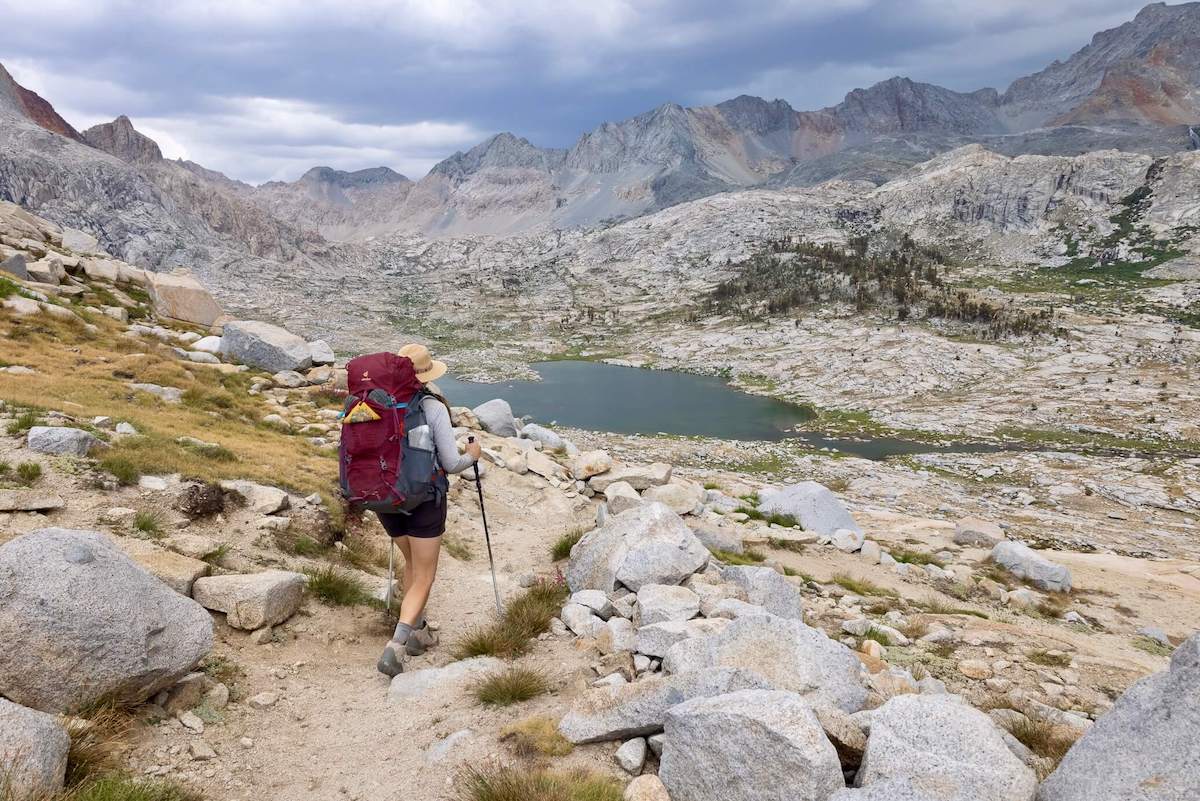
(438, 418)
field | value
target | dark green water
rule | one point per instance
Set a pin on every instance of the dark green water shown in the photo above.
(629, 400)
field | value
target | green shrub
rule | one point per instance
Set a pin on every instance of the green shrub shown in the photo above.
(148, 522)
(124, 788)
(122, 469)
(29, 472)
(524, 784)
(561, 549)
(527, 616)
(337, 587)
(511, 687)
(746, 557)
(23, 422)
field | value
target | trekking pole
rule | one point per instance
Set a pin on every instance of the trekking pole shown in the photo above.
(487, 536)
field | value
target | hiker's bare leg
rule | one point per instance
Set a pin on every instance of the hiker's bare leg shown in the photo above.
(420, 569)
(406, 549)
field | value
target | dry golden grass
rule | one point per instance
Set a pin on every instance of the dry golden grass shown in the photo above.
(85, 374)
(536, 736)
(511, 686)
(520, 784)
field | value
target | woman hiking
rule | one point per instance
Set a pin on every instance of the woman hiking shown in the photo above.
(419, 532)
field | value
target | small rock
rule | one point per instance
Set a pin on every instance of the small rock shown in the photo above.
(264, 700)
(201, 751)
(631, 756)
(192, 722)
(647, 787)
(975, 669)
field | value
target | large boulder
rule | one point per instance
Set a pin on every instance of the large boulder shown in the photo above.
(321, 352)
(813, 506)
(253, 600)
(15, 265)
(639, 708)
(60, 440)
(639, 476)
(33, 753)
(182, 297)
(590, 463)
(752, 745)
(46, 271)
(621, 497)
(550, 440)
(265, 346)
(80, 622)
(648, 544)
(1145, 747)
(660, 603)
(496, 417)
(937, 748)
(683, 497)
(1026, 563)
(657, 639)
(767, 588)
(79, 241)
(977, 533)
(786, 654)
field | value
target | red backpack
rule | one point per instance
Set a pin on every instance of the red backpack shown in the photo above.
(387, 461)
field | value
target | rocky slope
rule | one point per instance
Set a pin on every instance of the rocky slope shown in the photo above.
(698, 631)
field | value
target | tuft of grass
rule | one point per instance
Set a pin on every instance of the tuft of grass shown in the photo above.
(878, 636)
(336, 587)
(23, 422)
(862, 586)
(122, 469)
(305, 545)
(911, 557)
(522, 784)
(98, 736)
(1040, 656)
(117, 787)
(943, 650)
(561, 549)
(936, 606)
(711, 485)
(1152, 646)
(224, 670)
(536, 736)
(785, 545)
(1042, 738)
(149, 522)
(527, 616)
(28, 472)
(217, 555)
(514, 685)
(787, 521)
(457, 548)
(915, 628)
(746, 557)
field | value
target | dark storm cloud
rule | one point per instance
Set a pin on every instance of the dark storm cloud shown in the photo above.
(265, 89)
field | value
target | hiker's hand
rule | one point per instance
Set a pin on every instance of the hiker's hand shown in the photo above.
(474, 450)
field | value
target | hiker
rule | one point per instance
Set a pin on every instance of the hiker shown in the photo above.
(429, 454)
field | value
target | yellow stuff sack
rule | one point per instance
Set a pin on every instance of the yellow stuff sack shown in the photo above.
(361, 413)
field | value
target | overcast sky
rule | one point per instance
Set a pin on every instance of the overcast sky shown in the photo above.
(265, 89)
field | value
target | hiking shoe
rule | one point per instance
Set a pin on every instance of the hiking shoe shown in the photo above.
(420, 640)
(391, 664)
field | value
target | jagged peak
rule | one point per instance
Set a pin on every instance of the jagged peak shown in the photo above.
(119, 138)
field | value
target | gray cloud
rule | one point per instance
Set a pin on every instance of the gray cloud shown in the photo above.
(265, 90)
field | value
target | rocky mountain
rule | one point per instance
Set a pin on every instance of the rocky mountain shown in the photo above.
(16, 100)
(334, 203)
(113, 183)
(1145, 71)
(1132, 88)
(118, 138)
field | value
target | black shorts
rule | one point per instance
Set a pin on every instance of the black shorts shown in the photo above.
(426, 521)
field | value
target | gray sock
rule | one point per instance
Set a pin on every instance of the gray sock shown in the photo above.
(402, 632)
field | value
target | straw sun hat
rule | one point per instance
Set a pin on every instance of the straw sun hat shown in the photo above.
(428, 368)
